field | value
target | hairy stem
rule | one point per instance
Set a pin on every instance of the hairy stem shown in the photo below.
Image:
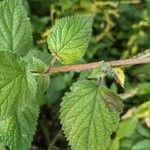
(114, 63)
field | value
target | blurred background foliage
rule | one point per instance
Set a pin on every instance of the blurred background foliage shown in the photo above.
(121, 29)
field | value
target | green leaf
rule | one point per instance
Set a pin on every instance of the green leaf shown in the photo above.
(114, 145)
(97, 72)
(143, 110)
(101, 70)
(15, 27)
(118, 75)
(42, 55)
(43, 82)
(141, 72)
(143, 130)
(88, 116)
(143, 88)
(69, 38)
(127, 127)
(39, 65)
(36, 62)
(18, 106)
(142, 145)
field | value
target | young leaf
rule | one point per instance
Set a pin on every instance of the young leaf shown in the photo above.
(43, 80)
(69, 38)
(15, 28)
(97, 72)
(39, 65)
(118, 75)
(86, 118)
(41, 55)
(18, 107)
(37, 62)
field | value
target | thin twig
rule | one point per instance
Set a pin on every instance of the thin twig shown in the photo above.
(88, 66)
(54, 140)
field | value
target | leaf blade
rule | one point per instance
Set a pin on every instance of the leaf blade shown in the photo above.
(69, 38)
(18, 108)
(15, 28)
(86, 120)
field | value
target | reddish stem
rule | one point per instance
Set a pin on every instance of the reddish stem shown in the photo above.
(95, 64)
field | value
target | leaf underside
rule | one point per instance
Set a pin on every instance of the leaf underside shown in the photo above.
(69, 38)
(18, 107)
(88, 117)
(15, 27)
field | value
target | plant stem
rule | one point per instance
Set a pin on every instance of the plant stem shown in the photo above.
(88, 66)
(53, 60)
(50, 147)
